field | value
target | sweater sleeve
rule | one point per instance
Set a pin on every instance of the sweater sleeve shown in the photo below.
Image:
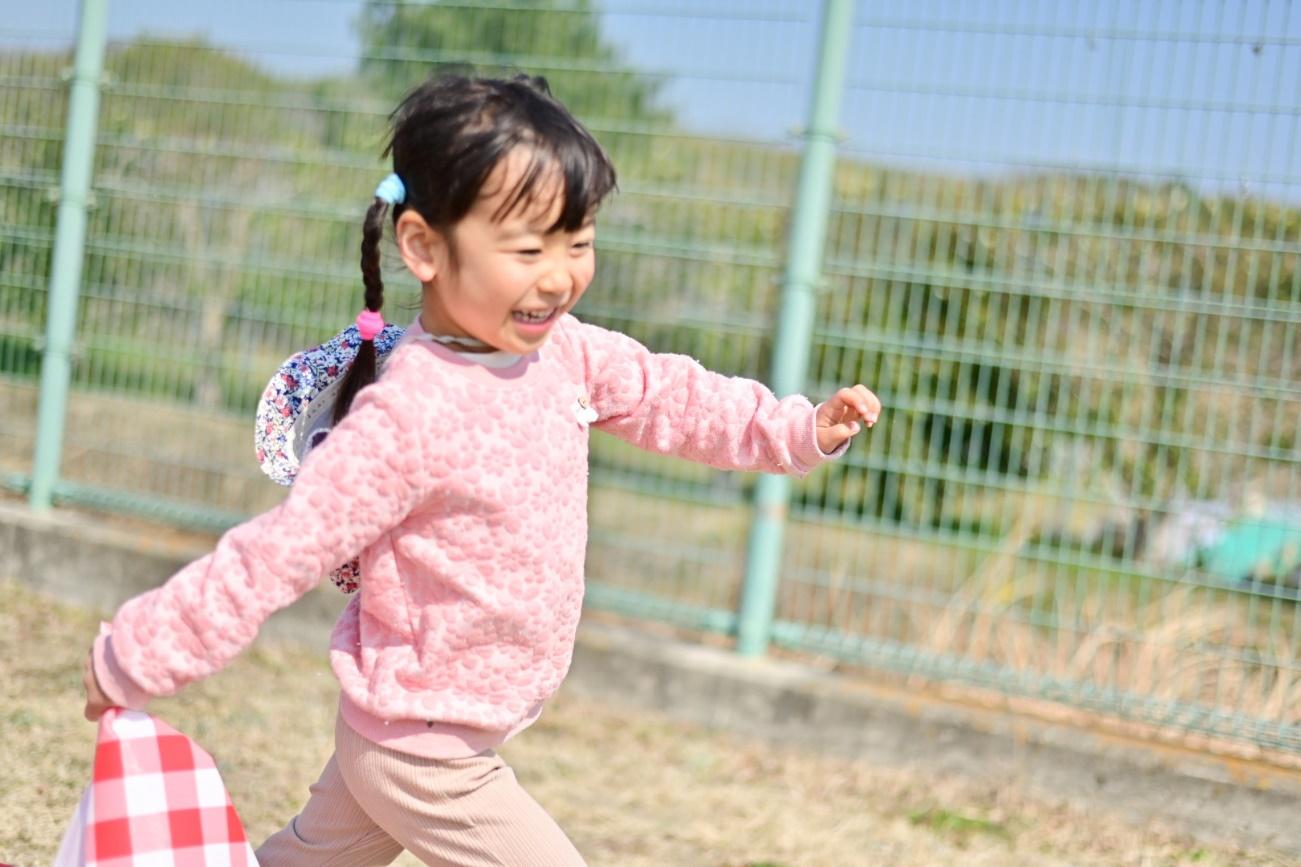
(671, 404)
(350, 490)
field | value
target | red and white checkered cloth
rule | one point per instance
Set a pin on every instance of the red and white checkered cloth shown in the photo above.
(155, 800)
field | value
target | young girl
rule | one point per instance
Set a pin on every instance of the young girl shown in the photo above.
(459, 479)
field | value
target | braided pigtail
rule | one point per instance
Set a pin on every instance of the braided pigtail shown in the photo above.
(362, 371)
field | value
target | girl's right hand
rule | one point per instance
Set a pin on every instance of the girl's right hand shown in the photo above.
(96, 701)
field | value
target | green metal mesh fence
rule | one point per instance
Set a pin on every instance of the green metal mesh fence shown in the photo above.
(33, 105)
(1089, 472)
(1085, 485)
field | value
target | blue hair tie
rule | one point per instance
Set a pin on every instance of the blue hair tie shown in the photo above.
(391, 190)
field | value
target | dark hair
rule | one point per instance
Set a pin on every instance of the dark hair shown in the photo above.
(447, 136)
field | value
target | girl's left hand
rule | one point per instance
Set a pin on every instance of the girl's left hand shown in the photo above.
(96, 701)
(838, 416)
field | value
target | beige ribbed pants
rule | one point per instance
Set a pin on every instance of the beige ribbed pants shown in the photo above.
(371, 803)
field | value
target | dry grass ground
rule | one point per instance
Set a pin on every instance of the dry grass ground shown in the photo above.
(632, 789)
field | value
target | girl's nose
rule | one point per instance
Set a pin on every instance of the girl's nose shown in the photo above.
(557, 280)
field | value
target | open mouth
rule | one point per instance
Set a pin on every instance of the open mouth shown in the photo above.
(535, 317)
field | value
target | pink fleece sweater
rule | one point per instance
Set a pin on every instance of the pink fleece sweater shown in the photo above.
(463, 489)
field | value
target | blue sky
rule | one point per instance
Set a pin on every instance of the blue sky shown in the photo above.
(1205, 91)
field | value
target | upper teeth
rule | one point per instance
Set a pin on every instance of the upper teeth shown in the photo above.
(535, 315)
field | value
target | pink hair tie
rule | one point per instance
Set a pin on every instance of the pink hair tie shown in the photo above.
(370, 324)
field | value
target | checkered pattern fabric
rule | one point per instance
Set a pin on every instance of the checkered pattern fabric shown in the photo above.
(156, 800)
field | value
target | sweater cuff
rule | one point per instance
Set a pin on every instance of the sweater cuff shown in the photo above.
(114, 682)
(805, 451)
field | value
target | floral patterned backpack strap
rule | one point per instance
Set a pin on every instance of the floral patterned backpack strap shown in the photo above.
(347, 577)
(297, 408)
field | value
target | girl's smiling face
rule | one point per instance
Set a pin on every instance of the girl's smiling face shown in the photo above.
(505, 276)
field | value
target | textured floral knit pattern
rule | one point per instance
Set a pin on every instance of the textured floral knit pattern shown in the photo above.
(463, 491)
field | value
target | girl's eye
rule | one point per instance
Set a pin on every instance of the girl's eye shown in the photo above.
(583, 245)
(529, 252)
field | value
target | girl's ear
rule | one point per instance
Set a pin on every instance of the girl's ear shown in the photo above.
(419, 245)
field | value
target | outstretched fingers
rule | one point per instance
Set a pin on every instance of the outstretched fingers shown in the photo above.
(840, 415)
(855, 403)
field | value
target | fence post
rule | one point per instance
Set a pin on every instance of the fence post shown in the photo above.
(795, 323)
(69, 249)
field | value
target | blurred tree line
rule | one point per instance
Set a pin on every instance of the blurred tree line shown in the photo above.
(1011, 323)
